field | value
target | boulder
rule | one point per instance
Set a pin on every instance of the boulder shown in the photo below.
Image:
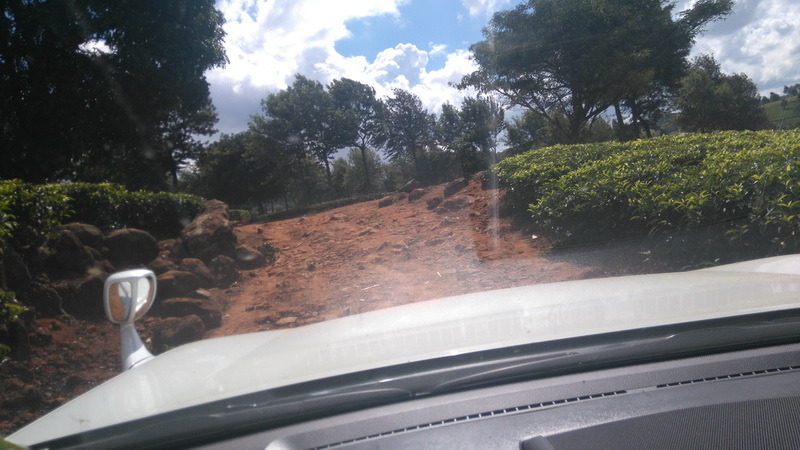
(455, 186)
(162, 265)
(176, 283)
(416, 194)
(434, 202)
(207, 310)
(18, 277)
(44, 299)
(174, 331)
(198, 268)
(386, 201)
(69, 254)
(130, 247)
(249, 258)
(88, 234)
(456, 203)
(87, 300)
(210, 234)
(225, 271)
(410, 186)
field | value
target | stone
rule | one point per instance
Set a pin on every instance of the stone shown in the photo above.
(410, 186)
(207, 310)
(69, 254)
(456, 203)
(210, 234)
(386, 201)
(130, 247)
(455, 186)
(225, 271)
(174, 331)
(44, 299)
(162, 265)
(416, 194)
(249, 258)
(17, 276)
(88, 234)
(200, 269)
(87, 300)
(176, 283)
(434, 202)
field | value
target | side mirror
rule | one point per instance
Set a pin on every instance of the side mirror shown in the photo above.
(127, 296)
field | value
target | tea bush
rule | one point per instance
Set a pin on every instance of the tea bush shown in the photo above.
(747, 182)
(37, 210)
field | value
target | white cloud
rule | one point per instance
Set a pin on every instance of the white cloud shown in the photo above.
(476, 7)
(268, 41)
(761, 38)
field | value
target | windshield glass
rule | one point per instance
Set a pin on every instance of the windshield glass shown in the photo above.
(284, 163)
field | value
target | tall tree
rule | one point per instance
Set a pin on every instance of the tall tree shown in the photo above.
(408, 129)
(569, 61)
(710, 100)
(360, 106)
(470, 132)
(304, 120)
(87, 87)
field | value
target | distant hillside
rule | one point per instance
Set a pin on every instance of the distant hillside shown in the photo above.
(791, 117)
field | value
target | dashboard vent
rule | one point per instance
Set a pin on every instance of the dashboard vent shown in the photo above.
(728, 377)
(550, 404)
(477, 416)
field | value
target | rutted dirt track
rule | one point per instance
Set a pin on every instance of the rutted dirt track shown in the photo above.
(344, 261)
(361, 257)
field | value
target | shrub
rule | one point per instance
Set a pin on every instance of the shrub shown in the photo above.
(30, 213)
(239, 215)
(35, 211)
(747, 183)
(110, 206)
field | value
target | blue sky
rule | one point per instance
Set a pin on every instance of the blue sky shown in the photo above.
(422, 45)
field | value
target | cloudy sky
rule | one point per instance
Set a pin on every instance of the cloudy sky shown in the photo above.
(422, 45)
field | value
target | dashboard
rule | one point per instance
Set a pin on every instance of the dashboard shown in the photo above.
(738, 399)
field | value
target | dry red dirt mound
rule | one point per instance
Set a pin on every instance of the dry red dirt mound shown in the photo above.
(344, 261)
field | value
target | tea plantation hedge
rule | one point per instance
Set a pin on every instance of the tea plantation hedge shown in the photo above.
(29, 212)
(747, 183)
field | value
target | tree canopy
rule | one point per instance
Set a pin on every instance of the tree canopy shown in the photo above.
(710, 100)
(104, 90)
(569, 61)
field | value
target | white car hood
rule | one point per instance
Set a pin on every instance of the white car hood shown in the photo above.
(220, 368)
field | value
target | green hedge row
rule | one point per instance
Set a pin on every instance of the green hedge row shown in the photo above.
(749, 180)
(32, 212)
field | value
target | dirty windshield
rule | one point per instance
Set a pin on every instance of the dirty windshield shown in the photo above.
(278, 163)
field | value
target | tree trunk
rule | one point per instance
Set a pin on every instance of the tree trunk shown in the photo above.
(367, 185)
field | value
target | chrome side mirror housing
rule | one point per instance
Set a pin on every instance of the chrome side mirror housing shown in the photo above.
(127, 296)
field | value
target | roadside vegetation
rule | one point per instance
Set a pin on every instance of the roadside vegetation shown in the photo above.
(742, 185)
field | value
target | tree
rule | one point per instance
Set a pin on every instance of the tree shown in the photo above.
(358, 102)
(304, 120)
(571, 61)
(407, 129)
(87, 88)
(471, 132)
(710, 100)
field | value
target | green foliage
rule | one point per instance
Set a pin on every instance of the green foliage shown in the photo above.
(710, 100)
(125, 110)
(111, 206)
(33, 212)
(745, 182)
(239, 215)
(270, 252)
(784, 116)
(10, 310)
(616, 50)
